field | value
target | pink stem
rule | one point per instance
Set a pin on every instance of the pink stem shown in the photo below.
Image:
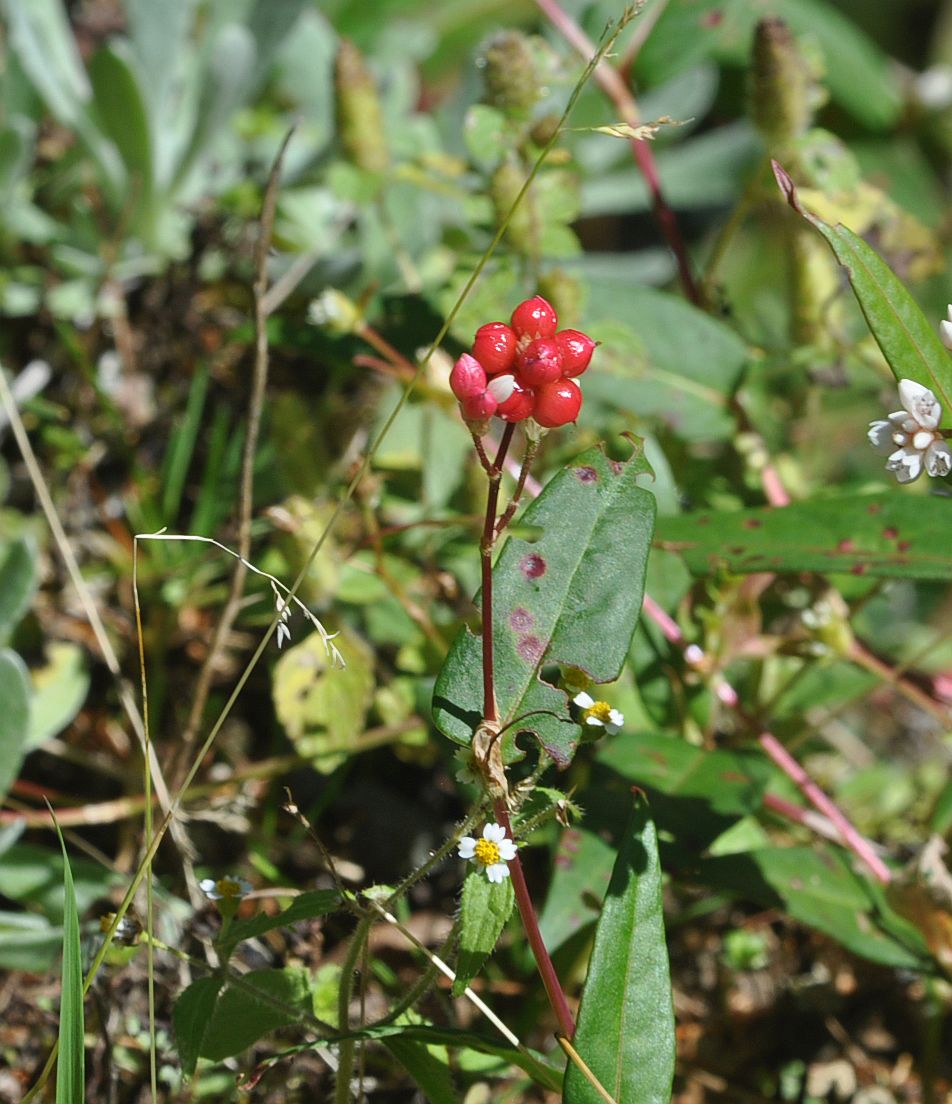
(614, 87)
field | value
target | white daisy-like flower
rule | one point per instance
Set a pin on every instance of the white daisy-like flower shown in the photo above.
(231, 889)
(910, 437)
(598, 714)
(491, 852)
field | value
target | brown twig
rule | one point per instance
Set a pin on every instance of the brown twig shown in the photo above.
(232, 605)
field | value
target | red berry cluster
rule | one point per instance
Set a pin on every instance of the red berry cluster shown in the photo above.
(527, 368)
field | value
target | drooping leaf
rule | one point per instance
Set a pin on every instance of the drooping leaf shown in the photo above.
(571, 597)
(71, 1063)
(191, 1017)
(264, 1001)
(908, 340)
(820, 889)
(427, 1065)
(486, 906)
(881, 535)
(14, 716)
(318, 902)
(625, 1029)
(17, 582)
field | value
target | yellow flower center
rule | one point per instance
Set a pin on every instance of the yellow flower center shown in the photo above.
(601, 711)
(227, 887)
(487, 852)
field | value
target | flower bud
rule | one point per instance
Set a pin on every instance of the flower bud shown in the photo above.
(477, 407)
(509, 71)
(359, 116)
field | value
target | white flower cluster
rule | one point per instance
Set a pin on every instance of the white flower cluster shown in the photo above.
(911, 437)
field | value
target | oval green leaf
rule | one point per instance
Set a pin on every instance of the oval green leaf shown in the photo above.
(572, 597)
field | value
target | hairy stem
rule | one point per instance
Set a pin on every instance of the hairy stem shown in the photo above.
(486, 556)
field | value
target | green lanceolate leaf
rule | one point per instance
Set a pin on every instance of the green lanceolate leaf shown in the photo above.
(572, 597)
(191, 1016)
(819, 888)
(626, 1020)
(318, 902)
(908, 340)
(525, 1059)
(881, 535)
(71, 1064)
(485, 909)
(17, 583)
(14, 716)
(428, 1066)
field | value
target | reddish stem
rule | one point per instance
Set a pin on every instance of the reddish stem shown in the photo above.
(614, 87)
(547, 972)
(494, 475)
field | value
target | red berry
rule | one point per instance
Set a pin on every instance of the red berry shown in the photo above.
(534, 318)
(468, 378)
(557, 403)
(519, 405)
(495, 347)
(577, 349)
(477, 407)
(540, 362)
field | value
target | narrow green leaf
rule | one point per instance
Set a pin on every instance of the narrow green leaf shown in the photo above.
(525, 1059)
(14, 716)
(121, 110)
(908, 340)
(881, 535)
(191, 1017)
(71, 1063)
(427, 1066)
(486, 907)
(17, 582)
(318, 902)
(819, 888)
(625, 1028)
(572, 597)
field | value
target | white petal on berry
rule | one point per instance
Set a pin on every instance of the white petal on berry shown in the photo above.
(938, 459)
(501, 387)
(920, 402)
(945, 332)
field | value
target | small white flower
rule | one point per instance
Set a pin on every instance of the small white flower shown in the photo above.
(224, 888)
(598, 714)
(491, 853)
(910, 436)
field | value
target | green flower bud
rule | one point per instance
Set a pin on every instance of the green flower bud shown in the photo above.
(510, 74)
(359, 118)
(785, 90)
